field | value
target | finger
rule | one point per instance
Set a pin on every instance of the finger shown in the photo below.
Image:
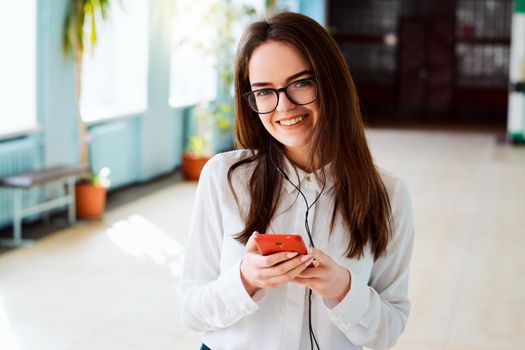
(276, 258)
(311, 273)
(292, 273)
(307, 282)
(250, 245)
(285, 267)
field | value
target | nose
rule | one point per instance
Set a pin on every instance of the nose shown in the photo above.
(284, 104)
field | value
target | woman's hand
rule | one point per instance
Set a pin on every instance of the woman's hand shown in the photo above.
(327, 278)
(270, 271)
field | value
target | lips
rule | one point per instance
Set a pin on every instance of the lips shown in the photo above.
(292, 121)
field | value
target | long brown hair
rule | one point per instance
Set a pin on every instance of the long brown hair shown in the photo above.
(360, 197)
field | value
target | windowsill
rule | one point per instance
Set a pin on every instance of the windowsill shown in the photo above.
(21, 132)
(183, 102)
(103, 119)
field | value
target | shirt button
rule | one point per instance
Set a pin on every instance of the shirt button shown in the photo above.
(308, 178)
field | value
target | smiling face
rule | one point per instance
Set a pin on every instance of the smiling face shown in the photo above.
(275, 65)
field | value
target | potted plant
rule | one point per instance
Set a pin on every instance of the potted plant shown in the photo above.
(90, 193)
(200, 146)
(79, 31)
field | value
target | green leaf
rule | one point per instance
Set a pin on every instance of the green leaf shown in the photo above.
(225, 108)
(197, 145)
(78, 12)
(93, 32)
(223, 124)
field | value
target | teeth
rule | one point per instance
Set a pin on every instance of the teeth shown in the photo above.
(292, 121)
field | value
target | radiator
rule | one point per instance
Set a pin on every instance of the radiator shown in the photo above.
(114, 145)
(16, 157)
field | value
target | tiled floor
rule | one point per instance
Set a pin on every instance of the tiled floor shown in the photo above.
(113, 284)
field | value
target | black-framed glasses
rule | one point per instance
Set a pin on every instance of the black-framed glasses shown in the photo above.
(299, 92)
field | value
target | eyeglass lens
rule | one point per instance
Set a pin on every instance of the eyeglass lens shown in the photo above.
(299, 92)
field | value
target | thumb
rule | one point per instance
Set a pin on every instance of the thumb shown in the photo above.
(250, 245)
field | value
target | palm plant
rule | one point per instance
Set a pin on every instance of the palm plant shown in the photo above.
(79, 32)
(80, 29)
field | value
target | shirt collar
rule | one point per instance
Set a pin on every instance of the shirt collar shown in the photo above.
(298, 176)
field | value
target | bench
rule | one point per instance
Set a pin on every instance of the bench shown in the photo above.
(66, 175)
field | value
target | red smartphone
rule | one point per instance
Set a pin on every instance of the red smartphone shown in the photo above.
(269, 243)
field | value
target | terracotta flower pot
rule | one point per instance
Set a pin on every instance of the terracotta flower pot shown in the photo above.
(90, 201)
(192, 165)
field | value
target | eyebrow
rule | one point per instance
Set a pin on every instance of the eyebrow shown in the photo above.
(290, 78)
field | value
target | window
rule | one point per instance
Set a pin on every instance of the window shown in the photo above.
(17, 66)
(483, 29)
(198, 29)
(193, 76)
(114, 72)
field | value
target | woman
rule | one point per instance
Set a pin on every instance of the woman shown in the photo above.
(302, 166)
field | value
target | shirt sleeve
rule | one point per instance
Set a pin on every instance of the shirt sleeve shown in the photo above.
(212, 299)
(374, 313)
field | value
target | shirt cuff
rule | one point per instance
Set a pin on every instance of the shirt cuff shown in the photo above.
(234, 292)
(353, 306)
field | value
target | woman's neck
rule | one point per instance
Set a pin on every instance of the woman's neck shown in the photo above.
(299, 157)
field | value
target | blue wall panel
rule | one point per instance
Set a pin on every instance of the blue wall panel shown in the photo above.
(156, 128)
(56, 101)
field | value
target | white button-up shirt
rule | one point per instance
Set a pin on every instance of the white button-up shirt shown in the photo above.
(373, 313)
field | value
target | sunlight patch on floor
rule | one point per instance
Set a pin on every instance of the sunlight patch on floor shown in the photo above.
(140, 238)
(8, 338)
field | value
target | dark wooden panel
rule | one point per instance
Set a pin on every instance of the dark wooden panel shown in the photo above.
(412, 60)
(440, 64)
(482, 99)
(426, 63)
(376, 95)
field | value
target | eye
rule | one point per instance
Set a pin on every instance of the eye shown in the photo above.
(303, 83)
(263, 93)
